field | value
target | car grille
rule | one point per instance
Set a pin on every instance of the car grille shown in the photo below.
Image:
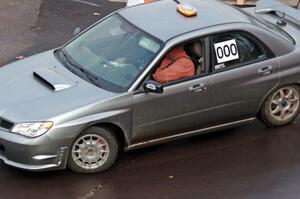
(5, 124)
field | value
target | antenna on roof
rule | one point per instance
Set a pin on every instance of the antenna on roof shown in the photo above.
(177, 1)
(283, 16)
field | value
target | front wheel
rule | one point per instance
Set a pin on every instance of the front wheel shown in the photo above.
(95, 150)
(281, 107)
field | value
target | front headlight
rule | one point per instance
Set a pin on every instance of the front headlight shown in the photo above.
(34, 129)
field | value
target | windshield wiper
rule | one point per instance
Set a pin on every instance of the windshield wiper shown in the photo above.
(67, 59)
(90, 77)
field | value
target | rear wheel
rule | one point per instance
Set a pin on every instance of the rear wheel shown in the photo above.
(281, 106)
(95, 150)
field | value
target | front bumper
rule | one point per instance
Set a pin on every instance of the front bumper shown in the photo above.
(35, 154)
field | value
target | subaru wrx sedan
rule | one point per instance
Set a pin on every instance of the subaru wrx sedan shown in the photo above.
(81, 104)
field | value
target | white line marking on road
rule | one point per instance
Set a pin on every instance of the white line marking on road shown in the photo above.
(118, 1)
(86, 2)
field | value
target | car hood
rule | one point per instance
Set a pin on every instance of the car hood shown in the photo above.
(40, 88)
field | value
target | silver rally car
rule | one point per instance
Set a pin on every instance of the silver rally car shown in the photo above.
(79, 105)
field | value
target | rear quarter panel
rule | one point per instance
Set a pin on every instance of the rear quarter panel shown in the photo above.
(290, 68)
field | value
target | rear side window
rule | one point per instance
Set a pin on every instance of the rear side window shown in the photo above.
(279, 31)
(236, 49)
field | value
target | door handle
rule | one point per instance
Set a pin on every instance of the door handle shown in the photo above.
(266, 70)
(197, 88)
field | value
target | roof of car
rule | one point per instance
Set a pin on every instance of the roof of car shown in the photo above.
(161, 19)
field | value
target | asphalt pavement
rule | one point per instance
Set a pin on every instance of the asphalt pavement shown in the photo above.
(17, 17)
(248, 162)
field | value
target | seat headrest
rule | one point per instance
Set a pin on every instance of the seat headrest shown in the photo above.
(198, 49)
(195, 49)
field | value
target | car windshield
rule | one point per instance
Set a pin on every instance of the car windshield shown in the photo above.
(113, 52)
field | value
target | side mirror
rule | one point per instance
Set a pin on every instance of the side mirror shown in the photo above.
(151, 86)
(76, 31)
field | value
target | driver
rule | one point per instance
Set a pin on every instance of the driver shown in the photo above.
(129, 32)
(176, 65)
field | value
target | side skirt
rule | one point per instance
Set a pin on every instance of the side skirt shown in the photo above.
(187, 134)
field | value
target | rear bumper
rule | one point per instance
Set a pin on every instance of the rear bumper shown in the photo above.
(35, 154)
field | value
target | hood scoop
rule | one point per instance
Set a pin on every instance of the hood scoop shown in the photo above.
(52, 78)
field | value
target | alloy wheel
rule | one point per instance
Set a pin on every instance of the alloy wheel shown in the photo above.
(284, 104)
(90, 151)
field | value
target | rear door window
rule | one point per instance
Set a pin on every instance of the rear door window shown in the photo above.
(231, 50)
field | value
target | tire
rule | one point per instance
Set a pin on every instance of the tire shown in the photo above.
(95, 150)
(281, 107)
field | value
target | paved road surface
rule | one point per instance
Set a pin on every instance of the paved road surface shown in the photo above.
(249, 162)
(17, 17)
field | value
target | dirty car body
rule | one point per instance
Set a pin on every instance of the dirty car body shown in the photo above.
(48, 100)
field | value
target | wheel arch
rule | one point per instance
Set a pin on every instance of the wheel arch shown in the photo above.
(118, 132)
(114, 128)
